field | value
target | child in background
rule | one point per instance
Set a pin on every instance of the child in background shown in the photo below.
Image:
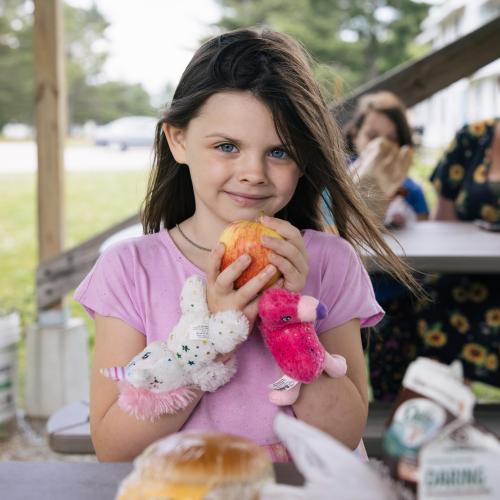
(379, 137)
(247, 132)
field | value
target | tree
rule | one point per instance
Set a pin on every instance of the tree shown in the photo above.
(89, 97)
(86, 53)
(112, 100)
(352, 41)
(83, 29)
(16, 63)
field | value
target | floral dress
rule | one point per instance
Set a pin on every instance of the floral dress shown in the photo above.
(462, 319)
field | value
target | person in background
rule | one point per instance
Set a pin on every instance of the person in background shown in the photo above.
(462, 319)
(379, 138)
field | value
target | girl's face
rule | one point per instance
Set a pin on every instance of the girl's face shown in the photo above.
(374, 125)
(238, 164)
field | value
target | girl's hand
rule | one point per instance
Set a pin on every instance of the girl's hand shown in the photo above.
(221, 295)
(289, 255)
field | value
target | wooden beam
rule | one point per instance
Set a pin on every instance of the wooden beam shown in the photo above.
(50, 111)
(418, 80)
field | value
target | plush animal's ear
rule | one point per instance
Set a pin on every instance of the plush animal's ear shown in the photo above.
(194, 283)
(193, 295)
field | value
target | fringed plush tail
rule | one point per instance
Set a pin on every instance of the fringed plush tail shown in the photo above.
(148, 405)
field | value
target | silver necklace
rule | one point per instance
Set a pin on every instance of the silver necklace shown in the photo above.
(191, 241)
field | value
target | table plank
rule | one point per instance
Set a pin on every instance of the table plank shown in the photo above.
(82, 481)
(439, 246)
(61, 480)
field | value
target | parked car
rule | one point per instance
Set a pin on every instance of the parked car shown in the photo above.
(127, 132)
(17, 131)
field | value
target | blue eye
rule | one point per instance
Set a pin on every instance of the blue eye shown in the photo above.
(278, 153)
(227, 147)
(286, 319)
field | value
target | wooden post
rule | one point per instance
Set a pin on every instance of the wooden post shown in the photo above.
(50, 108)
(56, 348)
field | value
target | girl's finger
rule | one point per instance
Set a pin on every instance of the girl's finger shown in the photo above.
(214, 261)
(278, 284)
(251, 310)
(254, 286)
(232, 272)
(294, 279)
(282, 227)
(224, 358)
(297, 256)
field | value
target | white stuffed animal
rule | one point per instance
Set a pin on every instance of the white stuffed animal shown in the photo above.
(161, 377)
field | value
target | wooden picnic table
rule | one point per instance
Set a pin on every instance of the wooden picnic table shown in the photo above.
(81, 480)
(447, 247)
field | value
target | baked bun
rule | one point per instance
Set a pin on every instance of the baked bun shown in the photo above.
(199, 466)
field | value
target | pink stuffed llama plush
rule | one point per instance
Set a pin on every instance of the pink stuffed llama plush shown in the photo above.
(288, 331)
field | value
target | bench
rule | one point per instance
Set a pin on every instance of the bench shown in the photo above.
(69, 429)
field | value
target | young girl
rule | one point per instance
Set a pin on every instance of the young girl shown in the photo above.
(247, 132)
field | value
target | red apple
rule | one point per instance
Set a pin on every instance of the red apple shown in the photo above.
(244, 237)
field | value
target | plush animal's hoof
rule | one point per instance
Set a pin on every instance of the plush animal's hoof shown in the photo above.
(285, 397)
(335, 365)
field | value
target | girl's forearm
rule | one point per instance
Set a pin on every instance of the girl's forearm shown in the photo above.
(334, 406)
(118, 437)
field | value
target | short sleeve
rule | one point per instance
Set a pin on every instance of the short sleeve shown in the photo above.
(449, 174)
(110, 289)
(350, 298)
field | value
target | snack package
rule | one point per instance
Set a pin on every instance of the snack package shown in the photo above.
(432, 396)
(462, 462)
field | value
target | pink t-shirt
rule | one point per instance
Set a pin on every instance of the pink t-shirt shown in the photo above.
(139, 281)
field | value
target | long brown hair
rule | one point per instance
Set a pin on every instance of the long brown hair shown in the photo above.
(277, 70)
(387, 104)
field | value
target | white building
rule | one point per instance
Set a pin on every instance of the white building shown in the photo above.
(474, 98)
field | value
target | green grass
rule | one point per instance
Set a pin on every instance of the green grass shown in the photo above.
(94, 202)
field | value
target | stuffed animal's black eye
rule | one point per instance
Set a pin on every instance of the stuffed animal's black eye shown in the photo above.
(146, 355)
(286, 318)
